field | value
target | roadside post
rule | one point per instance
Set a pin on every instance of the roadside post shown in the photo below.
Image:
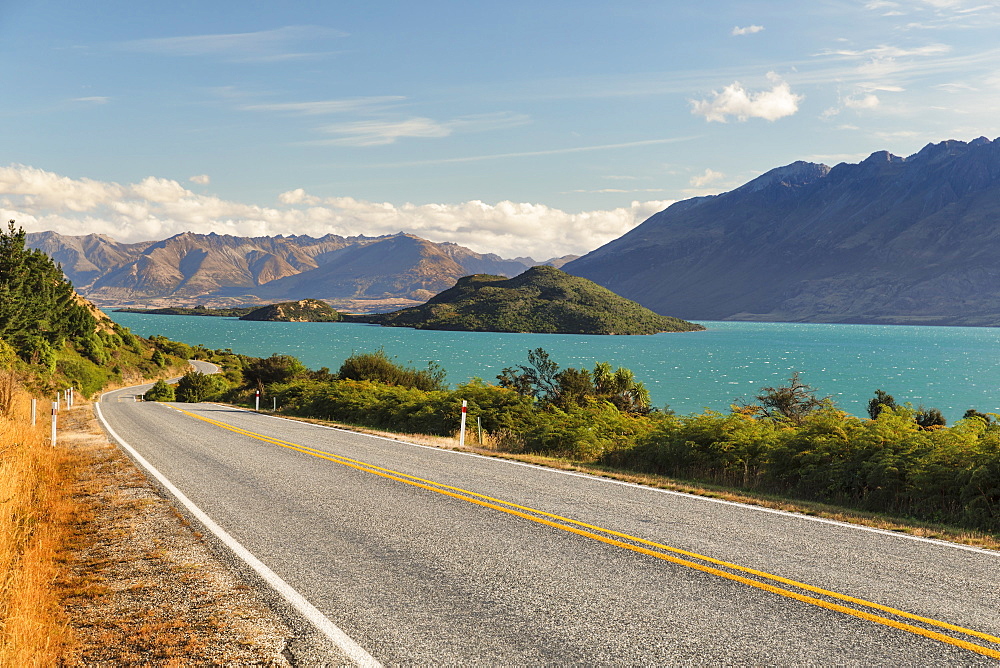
(55, 409)
(34, 411)
(55, 403)
(465, 409)
(70, 397)
(479, 424)
(256, 401)
(274, 406)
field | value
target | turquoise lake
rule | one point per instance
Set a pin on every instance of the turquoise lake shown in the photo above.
(949, 368)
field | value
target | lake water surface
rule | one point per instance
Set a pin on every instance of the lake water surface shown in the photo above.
(949, 368)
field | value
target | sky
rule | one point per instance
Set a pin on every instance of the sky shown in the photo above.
(518, 128)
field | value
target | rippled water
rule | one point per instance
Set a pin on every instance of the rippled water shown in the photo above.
(950, 368)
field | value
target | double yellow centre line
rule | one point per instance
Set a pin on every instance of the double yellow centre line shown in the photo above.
(766, 581)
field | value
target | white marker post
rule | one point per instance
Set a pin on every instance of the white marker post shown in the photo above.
(465, 409)
(274, 407)
(55, 409)
(256, 401)
(56, 402)
(34, 411)
(70, 398)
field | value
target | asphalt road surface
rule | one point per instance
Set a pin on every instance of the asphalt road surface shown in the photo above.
(425, 556)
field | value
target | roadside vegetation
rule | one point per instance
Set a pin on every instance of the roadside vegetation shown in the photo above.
(786, 442)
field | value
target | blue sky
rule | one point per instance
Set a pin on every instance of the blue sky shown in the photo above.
(538, 128)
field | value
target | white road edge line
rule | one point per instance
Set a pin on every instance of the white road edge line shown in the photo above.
(762, 509)
(346, 644)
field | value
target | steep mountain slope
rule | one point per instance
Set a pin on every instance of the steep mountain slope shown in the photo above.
(398, 266)
(542, 299)
(222, 269)
(894, 240)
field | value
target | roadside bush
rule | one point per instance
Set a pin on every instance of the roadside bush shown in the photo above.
(195, 387)
(87, 377)
(160, 391)
(377, 367)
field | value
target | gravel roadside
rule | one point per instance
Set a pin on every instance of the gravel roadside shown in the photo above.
(140, 585)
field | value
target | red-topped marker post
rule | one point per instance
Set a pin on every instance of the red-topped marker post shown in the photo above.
(461, 437)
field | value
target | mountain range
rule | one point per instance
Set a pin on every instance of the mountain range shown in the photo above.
(222, 270)
(902, 240)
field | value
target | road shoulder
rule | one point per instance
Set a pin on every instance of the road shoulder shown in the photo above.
(140, 585)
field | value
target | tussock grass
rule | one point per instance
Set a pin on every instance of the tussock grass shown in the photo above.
(35, 510)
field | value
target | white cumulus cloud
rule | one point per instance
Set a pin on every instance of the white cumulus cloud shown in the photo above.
(747, 30)
(863, 102)
(156, 208)
(737, 101)
(710, 176)
(201, 179)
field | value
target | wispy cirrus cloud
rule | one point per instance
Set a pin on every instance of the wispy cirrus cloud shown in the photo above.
(262, 46)
(156, 208)
(736, 101)
(380, 132)
(533, 154)
(325, 107)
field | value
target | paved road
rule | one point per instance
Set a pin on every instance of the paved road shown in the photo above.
(440, 557)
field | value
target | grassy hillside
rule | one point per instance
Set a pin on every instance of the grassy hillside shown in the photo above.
(542, 299)
(303, 310)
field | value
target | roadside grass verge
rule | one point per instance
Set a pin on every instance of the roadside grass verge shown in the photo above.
(36, 509)
(815, 509)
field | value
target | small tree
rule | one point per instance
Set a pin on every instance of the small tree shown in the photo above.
(538, 379)
(929, 418)
(195, 387)
(160, 392)
(880, 402)
(793, 402)
(973, 413)
(574, 387)
(621, 389)
(274, 369)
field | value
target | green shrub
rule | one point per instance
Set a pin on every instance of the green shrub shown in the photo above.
(87, 377)
(378, 368)
(195, 387)
(160, 391)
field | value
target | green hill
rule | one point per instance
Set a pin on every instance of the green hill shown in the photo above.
(542, 299)
(303, 310)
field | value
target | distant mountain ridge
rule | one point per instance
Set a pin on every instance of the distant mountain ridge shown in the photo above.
(221, 270)
(912, 240)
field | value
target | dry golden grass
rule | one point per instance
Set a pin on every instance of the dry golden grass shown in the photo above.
(35, 511)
